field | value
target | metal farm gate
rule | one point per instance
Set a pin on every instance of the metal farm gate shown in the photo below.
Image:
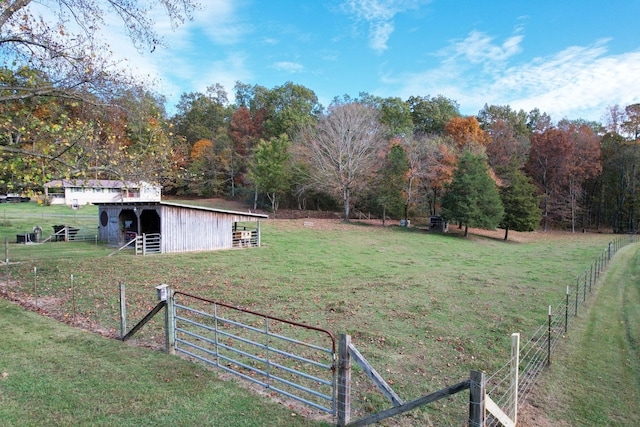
(295, 360)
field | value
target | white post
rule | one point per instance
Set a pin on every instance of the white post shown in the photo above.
(123, 311)
(515, 366)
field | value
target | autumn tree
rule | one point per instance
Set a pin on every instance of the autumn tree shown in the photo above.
(509, 136)
(269, 169)
(439, 158)
(548, 168)
(59, 61)
(582, 163)
(67, 48)
(471, 198)
(466, 132)
(391, 180)
(341, 150)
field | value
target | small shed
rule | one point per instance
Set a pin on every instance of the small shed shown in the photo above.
(173, 227)
(438, 224)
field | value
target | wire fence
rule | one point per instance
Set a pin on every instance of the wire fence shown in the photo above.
(53, 288)
(536, 352)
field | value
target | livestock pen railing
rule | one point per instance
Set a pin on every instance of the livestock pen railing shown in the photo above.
(148, 243)
(289, 358)
(245, 238)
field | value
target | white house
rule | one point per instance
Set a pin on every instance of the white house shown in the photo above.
(78, 192)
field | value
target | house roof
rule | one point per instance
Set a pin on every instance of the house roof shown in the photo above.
(179, 205)
(94, 183)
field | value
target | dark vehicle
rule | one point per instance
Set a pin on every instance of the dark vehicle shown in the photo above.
(14, 198)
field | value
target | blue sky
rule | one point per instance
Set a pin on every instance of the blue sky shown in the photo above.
(571, 59)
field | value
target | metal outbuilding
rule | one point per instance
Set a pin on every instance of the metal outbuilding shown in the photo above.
(171, 227)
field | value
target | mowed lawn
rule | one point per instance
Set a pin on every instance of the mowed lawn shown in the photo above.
(423, 308)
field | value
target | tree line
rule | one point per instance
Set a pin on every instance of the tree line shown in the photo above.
(65, 114)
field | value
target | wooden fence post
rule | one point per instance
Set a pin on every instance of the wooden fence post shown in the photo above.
(343, 403)
(6, 259)
(477, 414)
(514, 375)
(549, 339)
(169, 324)
(35, 285)
(123, 311)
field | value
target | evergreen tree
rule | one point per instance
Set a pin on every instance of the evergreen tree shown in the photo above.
(472, 198)
(521, 205)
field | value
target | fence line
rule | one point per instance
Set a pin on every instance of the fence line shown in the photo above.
(535, 354)
(536, 351)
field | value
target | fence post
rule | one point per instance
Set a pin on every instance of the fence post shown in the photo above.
(577, 293)
(123, 311)
(477, 414)
(73, 299)
(549, 339)
(584, 299)
(566, 311)
(343, 404)
(515, 368)
(259, 238)
(35, 285)
(169, 323)
(6, 259)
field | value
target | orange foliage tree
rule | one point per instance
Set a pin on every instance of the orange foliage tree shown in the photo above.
(466, 132)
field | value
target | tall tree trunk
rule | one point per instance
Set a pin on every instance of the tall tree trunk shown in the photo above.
(346, 201)
(466, 230)
(506, 233)
(255, 199)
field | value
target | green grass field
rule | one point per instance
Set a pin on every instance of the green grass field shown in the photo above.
(423, 308)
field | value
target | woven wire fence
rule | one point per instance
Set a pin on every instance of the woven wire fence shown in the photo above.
(535, 353)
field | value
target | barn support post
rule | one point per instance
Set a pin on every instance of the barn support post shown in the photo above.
(477, 410)
(343, 403)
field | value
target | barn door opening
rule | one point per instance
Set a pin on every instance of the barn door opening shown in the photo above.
(128, 225)
(149, 222)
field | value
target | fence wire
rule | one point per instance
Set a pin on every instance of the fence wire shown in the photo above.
(53, 288)
(536, 351)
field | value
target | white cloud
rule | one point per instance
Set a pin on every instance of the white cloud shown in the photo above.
(478, 48)
(290, 67)
(379, 15)
(577, 82)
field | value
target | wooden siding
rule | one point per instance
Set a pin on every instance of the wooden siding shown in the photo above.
(110, 232)
(183, 228)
